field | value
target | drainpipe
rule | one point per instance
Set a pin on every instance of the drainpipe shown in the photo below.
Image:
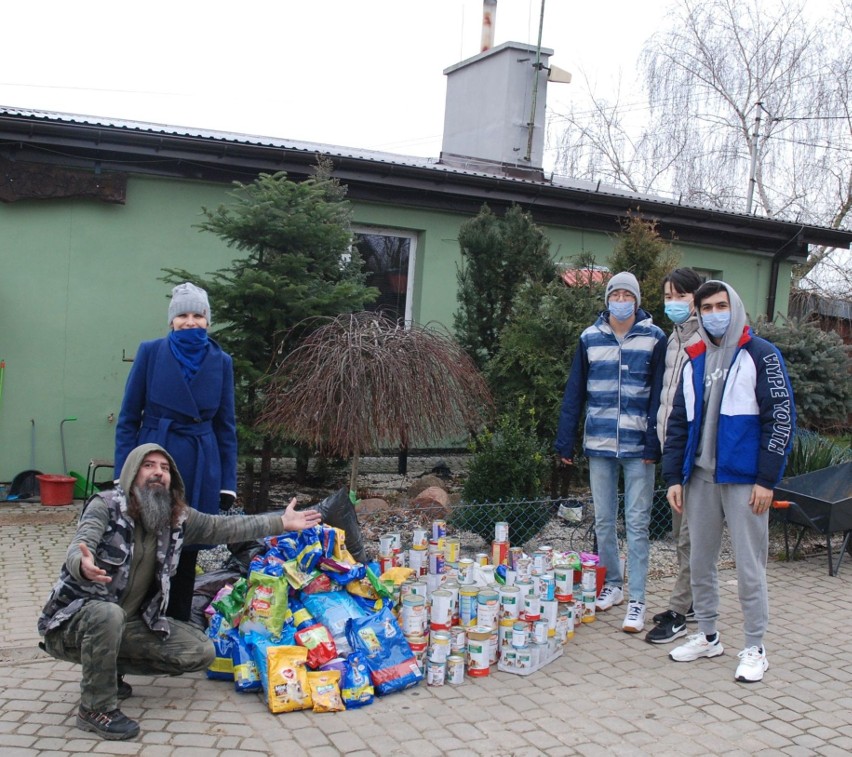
(796, 242)
(531, 126)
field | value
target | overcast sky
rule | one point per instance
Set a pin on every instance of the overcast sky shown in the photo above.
(361, 74)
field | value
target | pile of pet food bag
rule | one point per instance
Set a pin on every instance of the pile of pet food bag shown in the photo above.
(313, 629)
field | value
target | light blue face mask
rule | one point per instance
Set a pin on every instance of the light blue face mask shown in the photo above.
(677, 311)
(716, 324)
(621, 310)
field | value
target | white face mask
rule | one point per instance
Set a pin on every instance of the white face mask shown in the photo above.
(621, 310)
(716, 324)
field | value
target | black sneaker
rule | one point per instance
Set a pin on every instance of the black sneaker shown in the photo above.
(690, 614)
(113, 726)
(671, 626)
(125, 690)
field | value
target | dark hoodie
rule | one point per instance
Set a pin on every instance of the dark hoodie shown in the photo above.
(109, 532)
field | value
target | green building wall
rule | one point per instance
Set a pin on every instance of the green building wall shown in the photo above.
(80, 288)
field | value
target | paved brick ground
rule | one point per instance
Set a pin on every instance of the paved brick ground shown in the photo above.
(610, 693)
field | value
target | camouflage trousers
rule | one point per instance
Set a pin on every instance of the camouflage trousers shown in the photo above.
(107, 644)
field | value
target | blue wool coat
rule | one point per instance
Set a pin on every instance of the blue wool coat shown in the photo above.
(194, 421)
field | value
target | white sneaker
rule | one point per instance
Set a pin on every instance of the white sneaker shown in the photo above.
(634, 621)
(697, 646)
(753, 664)
(609, 596)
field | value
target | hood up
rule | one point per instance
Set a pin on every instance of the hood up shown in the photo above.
(134, 462)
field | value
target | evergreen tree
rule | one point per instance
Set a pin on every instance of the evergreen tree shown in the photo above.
(297, 263)
(640, 249)
(498, 256)
(818, 364)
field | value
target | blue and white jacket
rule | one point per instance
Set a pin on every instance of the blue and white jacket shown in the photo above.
(757, 417)
(619, 384)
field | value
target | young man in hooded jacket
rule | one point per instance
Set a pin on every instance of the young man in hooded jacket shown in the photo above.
(727, 441)
(107, 611)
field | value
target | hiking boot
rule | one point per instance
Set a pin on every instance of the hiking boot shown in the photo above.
(671, 626)
(610, 596)
(753, 664)
(113, 726)
(634, 621)
(697, 646)
(124, 689)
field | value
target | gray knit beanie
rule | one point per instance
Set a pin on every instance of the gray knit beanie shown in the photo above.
(188, 298)
(624, 280)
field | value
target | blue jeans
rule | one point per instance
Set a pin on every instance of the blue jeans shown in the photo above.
(638, 496)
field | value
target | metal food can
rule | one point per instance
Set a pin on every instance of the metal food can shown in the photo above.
(563, 578)
(439, 648)
(385, 562)
(515, 554)
(478, 651)
(386, 544)
(419, 538)
(510, 601)
(458, 640)
(501, 531)
(487, 608)
(436, 563)
(589, 606)
(539, 633)
(481, 558)
(442, 608)
(419, 647)
(546, 586)
(455, 670)
(523, 658)
(520, 630)
(532, 607)
(468, 605)
(548, 556)
(439, 529)
(589, 577)
(436, 671)
(499, 552)
(539, 561)
(418, 560)
(550, 612)
(452, 548)
(466, 570)
(524, 568)
(413, 614)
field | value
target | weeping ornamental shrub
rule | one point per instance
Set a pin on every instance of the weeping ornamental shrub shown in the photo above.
(509, 465)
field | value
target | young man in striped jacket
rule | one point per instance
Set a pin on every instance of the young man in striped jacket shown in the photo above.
(617, 375)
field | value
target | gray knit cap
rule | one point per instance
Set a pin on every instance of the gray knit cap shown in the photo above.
(188, 298)
(624, 280)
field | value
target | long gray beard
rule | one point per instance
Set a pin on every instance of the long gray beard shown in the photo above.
(155, 507)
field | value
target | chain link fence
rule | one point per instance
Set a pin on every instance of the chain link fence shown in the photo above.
(565, 524)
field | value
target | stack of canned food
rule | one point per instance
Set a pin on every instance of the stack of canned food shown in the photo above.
(463, 615)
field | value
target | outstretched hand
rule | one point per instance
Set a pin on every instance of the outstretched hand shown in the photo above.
(88, 568)
(297, 520)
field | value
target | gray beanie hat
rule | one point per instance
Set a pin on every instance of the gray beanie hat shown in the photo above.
(188, 298)
(624, 280)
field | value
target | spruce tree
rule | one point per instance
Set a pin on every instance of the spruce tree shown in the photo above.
(297, 263)
(498, 256)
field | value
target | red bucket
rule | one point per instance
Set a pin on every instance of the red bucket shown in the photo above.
(55, 489)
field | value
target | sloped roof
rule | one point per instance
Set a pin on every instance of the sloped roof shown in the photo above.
(206, 154)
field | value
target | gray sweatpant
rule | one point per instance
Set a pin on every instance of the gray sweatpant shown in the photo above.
(708, 506)
(682, 592)
(107, 643)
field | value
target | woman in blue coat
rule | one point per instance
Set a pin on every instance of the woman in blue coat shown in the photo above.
(180, 395)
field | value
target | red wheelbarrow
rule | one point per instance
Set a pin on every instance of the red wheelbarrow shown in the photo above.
(821, 501)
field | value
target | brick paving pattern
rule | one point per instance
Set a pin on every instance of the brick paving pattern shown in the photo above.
(610, 693)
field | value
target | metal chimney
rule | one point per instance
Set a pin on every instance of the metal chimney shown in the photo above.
(489, 19)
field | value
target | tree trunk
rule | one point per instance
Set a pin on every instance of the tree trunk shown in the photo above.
(402, 461)
(303, 458)
(265, 471)
(247, 495)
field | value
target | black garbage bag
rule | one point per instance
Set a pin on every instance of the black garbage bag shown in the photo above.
(242, 553)
(338, 511)
(207, 585)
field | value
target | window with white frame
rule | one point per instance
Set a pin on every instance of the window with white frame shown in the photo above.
(388, 257)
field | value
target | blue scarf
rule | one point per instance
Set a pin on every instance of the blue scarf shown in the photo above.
(189, 346)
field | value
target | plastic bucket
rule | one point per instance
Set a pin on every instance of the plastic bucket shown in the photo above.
(55, 489)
